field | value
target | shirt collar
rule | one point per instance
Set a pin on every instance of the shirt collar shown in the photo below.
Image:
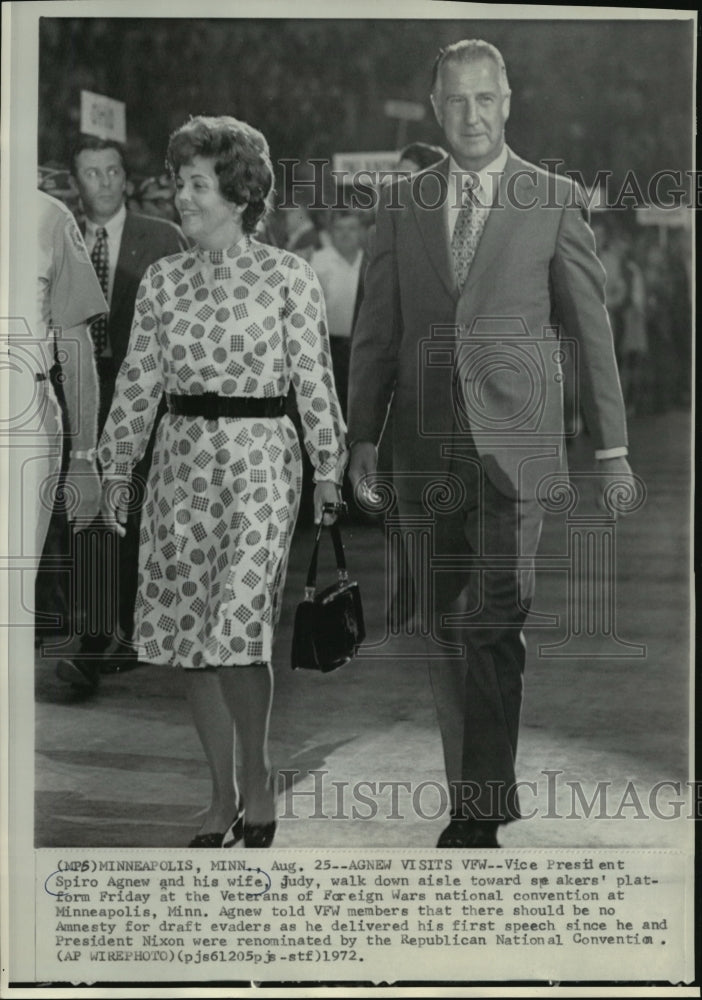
(488, 175)
(344, 260)
(229, 253)
(113, 226)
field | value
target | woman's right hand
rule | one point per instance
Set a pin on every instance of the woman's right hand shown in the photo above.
(113, 503)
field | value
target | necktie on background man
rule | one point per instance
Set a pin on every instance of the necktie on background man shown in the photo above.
(100, 259)
(466, 234)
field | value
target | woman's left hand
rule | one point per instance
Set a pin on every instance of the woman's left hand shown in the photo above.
(325, 492)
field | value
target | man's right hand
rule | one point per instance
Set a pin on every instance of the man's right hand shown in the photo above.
(364, 462)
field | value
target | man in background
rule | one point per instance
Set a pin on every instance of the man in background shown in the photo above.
(156, 198)
(122, 245)
(300, 235)
(68, 297)
(338, 267)
(418, 156)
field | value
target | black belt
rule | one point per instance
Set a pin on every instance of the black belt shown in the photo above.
(211, 406)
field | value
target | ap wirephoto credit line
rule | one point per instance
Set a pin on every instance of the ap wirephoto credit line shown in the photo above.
(347, 419)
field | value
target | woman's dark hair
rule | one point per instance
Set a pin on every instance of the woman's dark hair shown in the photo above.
(241, 157)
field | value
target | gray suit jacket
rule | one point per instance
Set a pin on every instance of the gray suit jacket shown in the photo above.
(487, 360)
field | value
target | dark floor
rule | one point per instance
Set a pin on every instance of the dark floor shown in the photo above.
(124, 767)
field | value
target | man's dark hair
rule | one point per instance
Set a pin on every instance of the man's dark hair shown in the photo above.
(422, 153)
(93, 142)
(241, 157)
(337, 214)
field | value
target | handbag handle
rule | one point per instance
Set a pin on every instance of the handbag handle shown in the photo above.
(311, 584)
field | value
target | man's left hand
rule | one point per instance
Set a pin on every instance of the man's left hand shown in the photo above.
(613, 471)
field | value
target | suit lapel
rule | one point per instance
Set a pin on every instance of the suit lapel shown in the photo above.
(433, 226)
(130, 250)
(501, 221)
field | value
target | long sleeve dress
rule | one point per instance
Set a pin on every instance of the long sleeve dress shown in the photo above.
(223, 495)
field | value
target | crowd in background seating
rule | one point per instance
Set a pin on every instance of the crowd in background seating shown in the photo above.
(648, 298)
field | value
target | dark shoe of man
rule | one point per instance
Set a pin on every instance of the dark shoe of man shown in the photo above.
(116, 657)
(118, 664)
(81, 676)
(469, 833)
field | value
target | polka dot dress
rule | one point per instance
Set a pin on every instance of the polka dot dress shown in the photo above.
(223, 494)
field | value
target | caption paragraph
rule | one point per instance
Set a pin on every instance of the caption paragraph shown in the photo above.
(389, 916)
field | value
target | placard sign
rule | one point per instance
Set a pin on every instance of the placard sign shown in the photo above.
(102, 116)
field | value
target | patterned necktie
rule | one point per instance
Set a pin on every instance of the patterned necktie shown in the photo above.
(466, 235)
(100, 259)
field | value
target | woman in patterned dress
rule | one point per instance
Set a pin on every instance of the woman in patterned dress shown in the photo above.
(223, 329)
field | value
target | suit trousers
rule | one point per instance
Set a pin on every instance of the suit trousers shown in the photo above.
(480, 588)
(110, 565)
(340, 348)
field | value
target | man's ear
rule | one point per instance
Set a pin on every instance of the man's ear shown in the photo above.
(506, 104)
(437, 109)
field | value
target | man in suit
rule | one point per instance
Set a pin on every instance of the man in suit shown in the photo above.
(479, 264)
(122, 246)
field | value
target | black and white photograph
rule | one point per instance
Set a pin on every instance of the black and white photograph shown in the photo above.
(347, 440)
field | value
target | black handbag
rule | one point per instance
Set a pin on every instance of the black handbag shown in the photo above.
(328, 625)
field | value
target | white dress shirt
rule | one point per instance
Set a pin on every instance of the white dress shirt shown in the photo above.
(484, 185)
(114, 228)
(339, 280)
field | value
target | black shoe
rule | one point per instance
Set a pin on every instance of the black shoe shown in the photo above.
(259, 834)
(84, 676)
(207, 840)
(119, 664)
(236, 829)
(469, 833)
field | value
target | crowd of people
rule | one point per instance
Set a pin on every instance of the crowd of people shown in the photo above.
(649, 303)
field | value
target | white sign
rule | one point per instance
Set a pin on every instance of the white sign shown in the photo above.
(352, 163)
(655, 215)
(102, 116)
(409, 111)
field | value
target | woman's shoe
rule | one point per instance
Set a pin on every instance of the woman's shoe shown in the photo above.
(259, 834)
(207, 840)
(236, 830)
